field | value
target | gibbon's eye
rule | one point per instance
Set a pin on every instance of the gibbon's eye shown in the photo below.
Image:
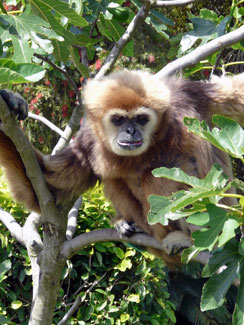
(118, 120)
(142, 119)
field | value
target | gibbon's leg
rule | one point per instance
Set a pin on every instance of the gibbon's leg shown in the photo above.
(128, 208)
(14, 170)
(68, 173)
(10, 159)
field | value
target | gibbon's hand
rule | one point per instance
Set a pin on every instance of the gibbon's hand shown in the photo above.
(16, 103)
(127, 229)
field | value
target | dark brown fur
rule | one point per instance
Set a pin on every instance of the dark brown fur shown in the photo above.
(128, 180)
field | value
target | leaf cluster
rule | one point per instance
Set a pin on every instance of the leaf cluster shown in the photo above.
(220, 225)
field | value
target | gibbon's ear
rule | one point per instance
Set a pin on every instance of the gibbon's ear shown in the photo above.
(16, 103)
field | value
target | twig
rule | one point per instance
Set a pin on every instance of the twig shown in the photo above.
(173, 3)
(72, 219)
(202, 52)
(78, 302)
(64, 72)
(12, 225)
(46, 122)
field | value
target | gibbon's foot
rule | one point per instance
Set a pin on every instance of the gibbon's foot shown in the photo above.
(175, 242)
(127, 229)
(16, 103)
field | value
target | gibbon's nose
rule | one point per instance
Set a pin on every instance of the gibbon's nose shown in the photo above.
(130, 129)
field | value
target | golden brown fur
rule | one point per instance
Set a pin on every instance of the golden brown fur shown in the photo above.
(128, 180)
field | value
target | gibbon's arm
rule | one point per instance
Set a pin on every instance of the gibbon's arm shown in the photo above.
(228, 97)
(68, 173)
(222, 95)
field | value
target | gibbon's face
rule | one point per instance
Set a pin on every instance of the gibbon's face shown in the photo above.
(128, 133)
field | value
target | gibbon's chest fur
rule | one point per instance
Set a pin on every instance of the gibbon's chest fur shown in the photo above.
(176, 148)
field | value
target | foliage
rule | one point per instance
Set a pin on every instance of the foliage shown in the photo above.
(116, 284)
(220, 224)
(101, 275)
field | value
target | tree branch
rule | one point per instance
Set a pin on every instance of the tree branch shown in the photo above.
(12, 225)
(71, 247)
(46, 122)
(112, 57)
(74, 121)
(32, 167)
(202, 52)
(72, 219)
(173, 3)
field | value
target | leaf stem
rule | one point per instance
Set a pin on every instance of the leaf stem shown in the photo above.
(238, 196)
(226, 207)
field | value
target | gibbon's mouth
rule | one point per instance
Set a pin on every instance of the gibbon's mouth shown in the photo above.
(130, 145)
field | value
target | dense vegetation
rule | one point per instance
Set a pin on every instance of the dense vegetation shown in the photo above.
(47, 50)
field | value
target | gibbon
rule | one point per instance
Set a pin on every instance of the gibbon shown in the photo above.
(134, 123)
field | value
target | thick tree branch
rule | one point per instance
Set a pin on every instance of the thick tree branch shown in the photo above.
(46, 201)
(71, 247)
(202, 52)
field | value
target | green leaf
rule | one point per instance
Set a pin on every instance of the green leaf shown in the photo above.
(229, 139)
(4, 320)
(215, 178)
(16, 304)
(238, 316)
(203, 30)
(113, 31)
(120, 13)
(5, 266)
(124, 265)
(206, 238)
(124, 317)
(237, 183)
(217, 286)
(119, 252)
(134, 298)
(84, 40)
(76, 60)
(61, 51)
(45, 12)
(226, 256)
(188, 254)
(22, 52)
(212, 185)
(78, 6)
(11, 73)
(228, 230)
(26, 24)
(199, 219)
(63, 9)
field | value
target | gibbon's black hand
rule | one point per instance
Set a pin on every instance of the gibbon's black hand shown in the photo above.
(127, 229)
(16, 103)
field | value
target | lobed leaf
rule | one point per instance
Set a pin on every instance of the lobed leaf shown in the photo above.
(230, 138)
(206, 238)
(217, 286)
(63, 9)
